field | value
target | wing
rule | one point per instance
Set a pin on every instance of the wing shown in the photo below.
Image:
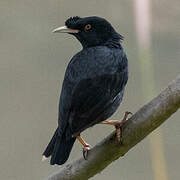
(93, 78)
(93, 99)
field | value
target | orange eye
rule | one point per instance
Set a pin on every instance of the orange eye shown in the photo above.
(87, 27)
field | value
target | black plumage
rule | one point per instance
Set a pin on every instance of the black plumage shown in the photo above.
(93, 85)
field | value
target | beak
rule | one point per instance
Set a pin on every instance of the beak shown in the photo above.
(65, 29)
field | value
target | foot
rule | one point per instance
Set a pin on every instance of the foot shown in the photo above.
(118, 125)
(86, 149)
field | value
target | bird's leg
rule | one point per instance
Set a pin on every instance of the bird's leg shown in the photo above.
(86, 147)
(118, 124)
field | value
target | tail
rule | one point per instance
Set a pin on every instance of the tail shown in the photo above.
(59, 148)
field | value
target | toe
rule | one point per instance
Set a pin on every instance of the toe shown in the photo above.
(118, 134)
(85, 151)
(85, 154)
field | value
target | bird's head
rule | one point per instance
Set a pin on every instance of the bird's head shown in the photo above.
(91, 31)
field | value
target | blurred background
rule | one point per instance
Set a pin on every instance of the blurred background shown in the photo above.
(32, 66)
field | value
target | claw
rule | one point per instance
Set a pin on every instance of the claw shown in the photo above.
(85, 151)
(86, 147)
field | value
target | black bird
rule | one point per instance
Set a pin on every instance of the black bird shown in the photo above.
(93, 85)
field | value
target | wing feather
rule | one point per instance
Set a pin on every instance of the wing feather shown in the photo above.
(92, 97)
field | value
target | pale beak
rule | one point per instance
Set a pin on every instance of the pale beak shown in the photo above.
(65, 29)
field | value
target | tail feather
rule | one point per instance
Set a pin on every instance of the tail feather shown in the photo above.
(62, 151)
(49, 149)
(59, 148)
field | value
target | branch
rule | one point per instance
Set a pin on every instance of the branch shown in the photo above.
(142, 123)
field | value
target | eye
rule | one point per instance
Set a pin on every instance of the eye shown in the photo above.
(87, 27)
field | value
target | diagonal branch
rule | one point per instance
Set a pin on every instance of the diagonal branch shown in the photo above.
(143, 122)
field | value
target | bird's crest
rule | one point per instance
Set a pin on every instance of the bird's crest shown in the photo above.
(71, 21)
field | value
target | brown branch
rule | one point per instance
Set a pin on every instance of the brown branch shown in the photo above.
(143, 122)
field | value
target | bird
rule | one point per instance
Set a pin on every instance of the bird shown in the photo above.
(93, 85)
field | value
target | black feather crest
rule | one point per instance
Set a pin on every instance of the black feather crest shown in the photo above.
(71, 21)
